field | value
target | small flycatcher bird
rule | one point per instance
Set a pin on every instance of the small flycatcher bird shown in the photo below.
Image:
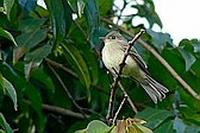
(135, 68)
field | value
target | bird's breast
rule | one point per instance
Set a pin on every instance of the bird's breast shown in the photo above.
(112, 56)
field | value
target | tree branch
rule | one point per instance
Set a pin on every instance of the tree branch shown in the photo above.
(67, 91)
(118, 110)
(58, 65)
(128, 98)
(185, 85)
(60, 110)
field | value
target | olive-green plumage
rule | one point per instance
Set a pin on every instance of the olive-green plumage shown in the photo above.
(112, 54)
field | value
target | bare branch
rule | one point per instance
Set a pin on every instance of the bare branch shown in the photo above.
(128, 98)
(118, 110)
(58, 65)
(59, 110)
(66, 90)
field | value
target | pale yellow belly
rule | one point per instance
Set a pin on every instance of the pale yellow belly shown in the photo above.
(112, 57)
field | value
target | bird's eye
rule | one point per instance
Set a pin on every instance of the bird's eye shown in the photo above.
(113, 37)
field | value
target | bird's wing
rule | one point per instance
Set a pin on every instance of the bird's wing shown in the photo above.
(134, 54)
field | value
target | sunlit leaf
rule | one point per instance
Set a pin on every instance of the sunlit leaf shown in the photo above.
(197, 48)
(6, 127)
(130, 126)
(159, 39)
(10, 91)
(95, 126)
(80, 7)
(8, 4)
(7, 35)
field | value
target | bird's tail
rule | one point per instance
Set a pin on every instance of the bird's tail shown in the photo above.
(154, 89)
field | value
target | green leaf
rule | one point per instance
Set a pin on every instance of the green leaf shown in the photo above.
(61, 17)
(105, 6)
(29, 25)
(159, 39)
(7, 35)
(27, 89)
(191, 102)
(35, 58)
(195, 68)
(166, 127)
(27, 4)
(6, 127)
(95, 126)
(27, 41)
(36, 103)
(179, 126)
(40, 75)
(71, 53)
(92, 14)
(8, 4)
(197, 47)
(154, 117)
(77, 6)
(1, 83)
(182, 127)
(192, 129)
(188, 57)
(39, 54)
(10, 91)
(30, 40)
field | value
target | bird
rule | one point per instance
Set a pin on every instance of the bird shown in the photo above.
(135, 68)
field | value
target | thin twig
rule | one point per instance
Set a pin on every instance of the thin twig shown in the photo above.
(66, 90)
(60, 110)
(121, 66)
(120, 107)
(128, 98)
(110, 104)
(58, 65)
(63, 111)
(148, 47)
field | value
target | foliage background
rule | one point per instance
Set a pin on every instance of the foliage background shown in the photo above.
(51, 74)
